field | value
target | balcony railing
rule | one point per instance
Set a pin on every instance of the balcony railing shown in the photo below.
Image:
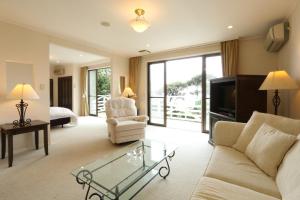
(178, 108)
(101, 100)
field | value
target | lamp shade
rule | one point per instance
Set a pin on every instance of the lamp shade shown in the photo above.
(23, 91)
(128, 92)
(278, 80)
(139, 25)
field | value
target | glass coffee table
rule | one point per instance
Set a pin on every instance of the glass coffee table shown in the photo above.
(125, 173)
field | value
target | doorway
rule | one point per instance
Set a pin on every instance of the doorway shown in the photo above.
(65, 92)
(178, 91)
(99, 86)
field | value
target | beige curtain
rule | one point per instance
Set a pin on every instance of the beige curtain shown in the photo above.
(83, 83)
(134, 69)
(230, 57)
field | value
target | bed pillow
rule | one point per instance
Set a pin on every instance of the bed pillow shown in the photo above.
(287, 125)
(268, 147)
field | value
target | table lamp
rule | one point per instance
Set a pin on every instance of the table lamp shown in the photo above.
(128, 92)
(278, 80)
(22, 92)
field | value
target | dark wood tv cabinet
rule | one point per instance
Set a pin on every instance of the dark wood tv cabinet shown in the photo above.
(235, 99)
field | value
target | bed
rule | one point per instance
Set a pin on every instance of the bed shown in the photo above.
(60, 116)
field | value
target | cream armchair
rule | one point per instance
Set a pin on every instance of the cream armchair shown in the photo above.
(123, 124)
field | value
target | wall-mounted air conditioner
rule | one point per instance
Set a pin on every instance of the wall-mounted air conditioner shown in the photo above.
(277, 36)
(59, 71)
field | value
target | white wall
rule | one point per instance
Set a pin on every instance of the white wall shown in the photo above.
(24, 46)
(119, 67)
(254, 59)
(289, 59)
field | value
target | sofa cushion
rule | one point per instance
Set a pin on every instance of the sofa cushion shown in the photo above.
(288, 176)
(287, 125)
(129, 125)
(268, 147)
(234, 167)
(213, 189)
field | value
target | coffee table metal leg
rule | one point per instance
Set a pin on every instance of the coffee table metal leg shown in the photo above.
(166, 167)
(89, 175)
(10, 150)
(3, 145)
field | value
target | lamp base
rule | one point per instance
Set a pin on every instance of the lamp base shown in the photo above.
(276, 102)
(18, 123)
(22, 107)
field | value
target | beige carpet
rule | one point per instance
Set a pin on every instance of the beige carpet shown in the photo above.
(38, 177)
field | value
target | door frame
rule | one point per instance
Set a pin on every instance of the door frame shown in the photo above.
(88, 79)
(61, 91)
(89, 87)
(203, 86)
(149, 93)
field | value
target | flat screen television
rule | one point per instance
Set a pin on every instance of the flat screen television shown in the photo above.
(226, 103)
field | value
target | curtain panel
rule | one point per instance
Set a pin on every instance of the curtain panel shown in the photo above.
(84, 107)
(230, 57)
(134, 69)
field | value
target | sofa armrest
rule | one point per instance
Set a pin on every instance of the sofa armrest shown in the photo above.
(226, 133)
(112, 121)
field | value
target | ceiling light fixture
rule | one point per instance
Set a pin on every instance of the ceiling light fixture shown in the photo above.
(140, 24)
(230, 27)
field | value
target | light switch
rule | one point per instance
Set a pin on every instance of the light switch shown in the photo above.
(42, 86)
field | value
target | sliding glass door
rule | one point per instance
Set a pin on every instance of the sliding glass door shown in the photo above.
(178, 91)
(92, 92)
(157, 93)
(99, 81)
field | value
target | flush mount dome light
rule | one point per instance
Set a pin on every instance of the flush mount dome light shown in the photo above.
(140, 24)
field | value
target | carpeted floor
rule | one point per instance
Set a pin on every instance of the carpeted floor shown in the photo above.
(38, 177)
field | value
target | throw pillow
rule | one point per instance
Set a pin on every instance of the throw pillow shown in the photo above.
(268, 147)
(284, 124)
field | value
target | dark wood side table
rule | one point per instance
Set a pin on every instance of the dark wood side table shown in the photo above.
(10, 130)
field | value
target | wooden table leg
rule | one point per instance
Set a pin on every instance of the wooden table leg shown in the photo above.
(3, 144)
(46, 140)
(36, 138)
(10, 150)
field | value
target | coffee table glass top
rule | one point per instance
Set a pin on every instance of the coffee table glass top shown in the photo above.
(116, 174)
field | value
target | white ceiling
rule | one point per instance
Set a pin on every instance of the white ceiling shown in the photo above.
(63, 55)
(174, 23)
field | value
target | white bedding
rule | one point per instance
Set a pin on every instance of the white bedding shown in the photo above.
(59, 112)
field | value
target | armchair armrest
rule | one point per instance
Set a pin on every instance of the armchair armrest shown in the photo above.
(141, 118)
(226, 133)
(112, 121)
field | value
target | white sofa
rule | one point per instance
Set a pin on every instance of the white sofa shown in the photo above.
(123, 124)
(231, 175)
